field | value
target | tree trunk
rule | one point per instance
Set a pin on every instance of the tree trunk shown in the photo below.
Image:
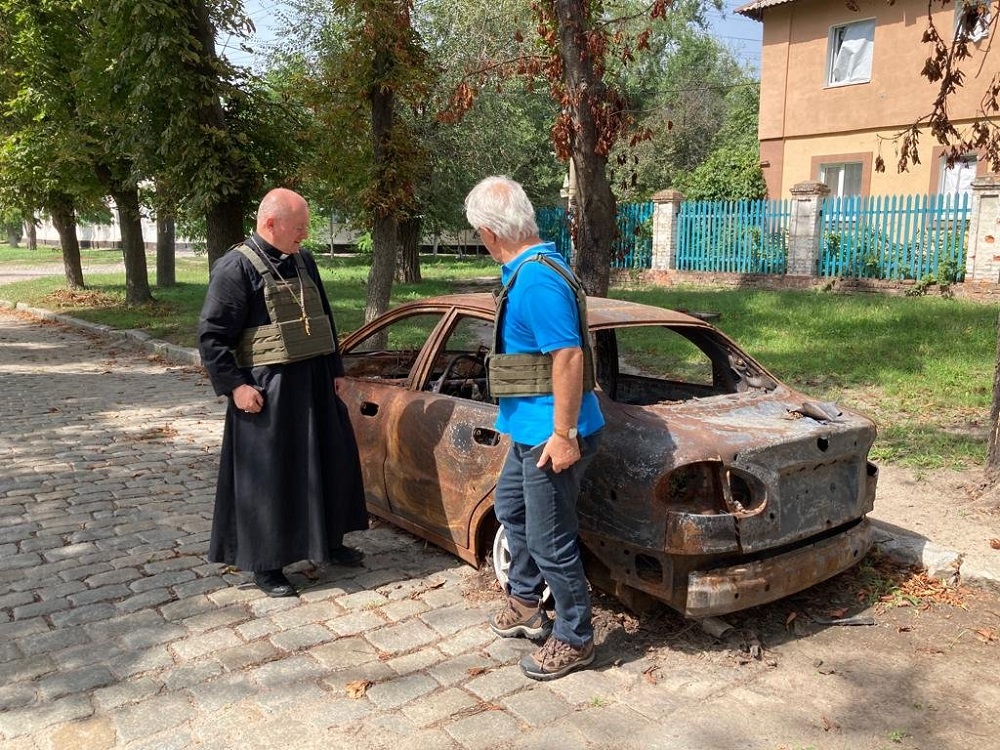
(594, 223)
(166, 250)
(385, 230)
(408, 260)
(64, 220)
(133, 246)
(224, 217)
(31, 231)
(13, 234)
(993, 456)
(224, 227)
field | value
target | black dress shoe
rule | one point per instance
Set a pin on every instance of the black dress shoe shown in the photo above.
(344, 555)
(273, 583)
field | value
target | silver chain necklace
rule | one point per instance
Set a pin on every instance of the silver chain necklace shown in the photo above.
(299, 300)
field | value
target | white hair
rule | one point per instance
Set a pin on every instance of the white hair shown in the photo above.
(501, 205)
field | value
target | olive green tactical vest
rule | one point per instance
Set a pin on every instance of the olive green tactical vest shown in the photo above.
(530, 374)
(285, 338)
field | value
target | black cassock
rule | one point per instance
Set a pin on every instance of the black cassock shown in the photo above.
(289, 482)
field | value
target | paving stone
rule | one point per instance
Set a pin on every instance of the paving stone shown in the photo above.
(303, 637)
(344, 652)
(15, 599)
(439, 706)
(336, 712)
(458, 670)
(397, 611)
(449, 620)
(105, 575)
(28, 668)
(222, 693)
(216, 617)
(145, 600)
(125, 692)
(356, 622)
(398, 639)
(295, 668)
(416, 661)
(123, 625)
(307, 614)
(32, 719)
(101, 594)
(38, 609)
(536, 707)
(11, 631)
(187, 675)
(161, 580)
(199, 645)
(475, 638)
(498, 682)
(62, 591)
(17, 695)
(247, 654)
(137, 662)
(400, 690)
(76, 681)
(496, 725)
(148, 717)
(84, 614)
(362, 600)
(54, 640)
(200, 586)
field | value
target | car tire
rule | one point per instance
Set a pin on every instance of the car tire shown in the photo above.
(501, 562)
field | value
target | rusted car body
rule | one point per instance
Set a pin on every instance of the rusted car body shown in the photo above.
(717, 487)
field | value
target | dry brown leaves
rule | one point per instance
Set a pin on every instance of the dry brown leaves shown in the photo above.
(81, 297)
(995, 543)
(156, 433)
(357, 689)
(921, 589)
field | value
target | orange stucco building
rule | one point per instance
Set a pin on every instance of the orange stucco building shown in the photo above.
(837, 85)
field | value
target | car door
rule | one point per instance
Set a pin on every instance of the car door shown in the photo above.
(445, 454)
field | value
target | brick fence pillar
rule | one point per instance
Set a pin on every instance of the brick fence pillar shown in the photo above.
(666, 207)
(805, 228)
(982, 262)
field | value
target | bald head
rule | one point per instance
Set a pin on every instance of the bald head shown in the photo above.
(283, 219)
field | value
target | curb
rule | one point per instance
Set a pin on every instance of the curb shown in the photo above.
(939, 562)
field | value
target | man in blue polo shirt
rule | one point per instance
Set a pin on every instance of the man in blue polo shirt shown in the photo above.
(555, 425)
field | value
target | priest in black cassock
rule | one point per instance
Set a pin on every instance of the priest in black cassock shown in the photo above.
(290, 482)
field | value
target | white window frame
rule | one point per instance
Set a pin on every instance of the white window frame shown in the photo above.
(956, 180)
(838, 192)
(850, 46)
(982, 29)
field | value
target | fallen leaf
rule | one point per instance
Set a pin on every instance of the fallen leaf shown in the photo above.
(790, 619)
(986, 634)
(995, 543)
(358, 688)
(476, 671)
(650, 674)
(904, 629)
(837, 613)
(829, 724)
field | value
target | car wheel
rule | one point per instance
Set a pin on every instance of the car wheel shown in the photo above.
(501, 562)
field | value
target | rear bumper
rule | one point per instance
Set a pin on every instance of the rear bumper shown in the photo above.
(724, 590)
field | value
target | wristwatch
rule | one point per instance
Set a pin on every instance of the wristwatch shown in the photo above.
(569, 434)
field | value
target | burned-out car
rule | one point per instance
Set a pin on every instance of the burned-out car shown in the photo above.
(716, 488)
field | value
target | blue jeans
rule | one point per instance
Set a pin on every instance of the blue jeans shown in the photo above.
(537, 508)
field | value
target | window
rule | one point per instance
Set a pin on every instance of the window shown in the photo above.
(390, 354)
(850, 58)
(842, 179)
(972, 20)
(957, 179)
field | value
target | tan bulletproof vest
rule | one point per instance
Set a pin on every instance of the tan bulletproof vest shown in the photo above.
(530, 374)
(291, 335)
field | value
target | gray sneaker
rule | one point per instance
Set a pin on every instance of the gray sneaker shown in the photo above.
(557, 658)
(520, 619)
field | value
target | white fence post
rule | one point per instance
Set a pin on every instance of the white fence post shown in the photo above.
(982, 261)
(666, 207)
(805, 228)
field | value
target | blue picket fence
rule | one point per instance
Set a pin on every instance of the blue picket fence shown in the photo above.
(633, 249)
(897, 237)
(747, 236)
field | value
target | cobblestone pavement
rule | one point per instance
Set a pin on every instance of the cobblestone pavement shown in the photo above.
(116, 633)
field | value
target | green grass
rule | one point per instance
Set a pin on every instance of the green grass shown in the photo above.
(921, 367)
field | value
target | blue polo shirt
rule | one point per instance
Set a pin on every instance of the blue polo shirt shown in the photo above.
(540, 315)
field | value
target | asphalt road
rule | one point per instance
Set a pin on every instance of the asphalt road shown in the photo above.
(116, 633)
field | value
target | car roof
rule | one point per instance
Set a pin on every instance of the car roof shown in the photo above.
(602, 312)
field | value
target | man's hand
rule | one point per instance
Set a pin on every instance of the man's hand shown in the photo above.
(563, 453)
(248, 399)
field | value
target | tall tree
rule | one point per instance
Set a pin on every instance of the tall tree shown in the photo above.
(363, 63)
(578, 41)
(48, 153)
